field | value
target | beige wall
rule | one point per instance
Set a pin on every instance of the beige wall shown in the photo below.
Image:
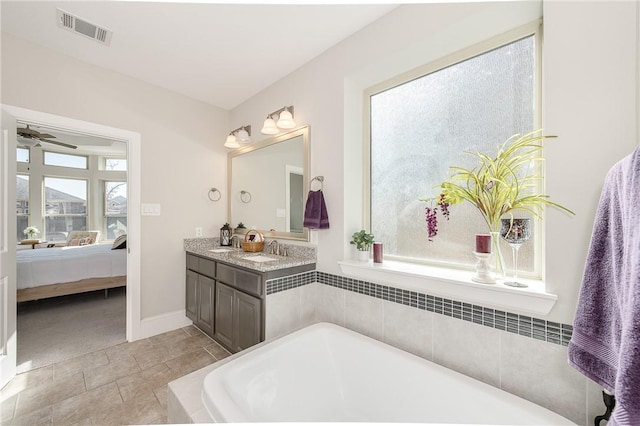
(182, 153)
(590, 102)
(589, 96)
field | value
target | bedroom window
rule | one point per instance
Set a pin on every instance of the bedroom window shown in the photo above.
(115, 164)
(115, 211)
(65, 160)
(422, 124)
(65, 207)
(22, 205)
(22, 155)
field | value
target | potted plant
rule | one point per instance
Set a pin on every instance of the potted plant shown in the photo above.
(496, 186)
(31, 232)
(362, 240)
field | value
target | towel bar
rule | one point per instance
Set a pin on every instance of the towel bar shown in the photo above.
(609, 402)
(213, 191)
(319, 179)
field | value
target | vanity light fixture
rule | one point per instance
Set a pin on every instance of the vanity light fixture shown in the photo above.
(284, 121)
(241, 135)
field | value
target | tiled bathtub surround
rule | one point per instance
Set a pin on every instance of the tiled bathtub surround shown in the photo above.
(523, 355)
(523, 325)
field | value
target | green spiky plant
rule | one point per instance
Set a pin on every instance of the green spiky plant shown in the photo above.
(497, 186)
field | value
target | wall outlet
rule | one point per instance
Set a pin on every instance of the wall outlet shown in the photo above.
(198, 231)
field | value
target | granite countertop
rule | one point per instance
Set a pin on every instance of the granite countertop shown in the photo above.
(209, 247)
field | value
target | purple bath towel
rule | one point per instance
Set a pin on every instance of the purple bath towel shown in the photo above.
(605, 344)
(315, 212)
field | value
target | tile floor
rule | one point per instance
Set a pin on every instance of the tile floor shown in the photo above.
(121, 385)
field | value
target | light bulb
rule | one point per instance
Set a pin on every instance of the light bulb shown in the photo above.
(269, 127)
(231, 142)
(243, 136)
(286, 120)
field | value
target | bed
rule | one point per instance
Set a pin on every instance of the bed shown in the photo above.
(59, 271)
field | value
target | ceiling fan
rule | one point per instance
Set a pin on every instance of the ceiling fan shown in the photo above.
(30, 137)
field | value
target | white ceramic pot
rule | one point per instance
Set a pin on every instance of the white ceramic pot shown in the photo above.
(363, 255)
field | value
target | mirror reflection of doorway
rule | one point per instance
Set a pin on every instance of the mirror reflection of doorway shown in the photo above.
(295, 198)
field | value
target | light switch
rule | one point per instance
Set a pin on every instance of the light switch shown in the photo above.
(151, 209)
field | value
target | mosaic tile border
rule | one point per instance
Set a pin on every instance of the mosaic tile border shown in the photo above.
(535, 328)
(289, 282)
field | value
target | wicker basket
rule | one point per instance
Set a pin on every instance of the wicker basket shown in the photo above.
(253, 246)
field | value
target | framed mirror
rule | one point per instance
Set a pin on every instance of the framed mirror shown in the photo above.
(267, 185)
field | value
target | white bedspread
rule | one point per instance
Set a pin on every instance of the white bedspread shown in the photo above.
(67, 264)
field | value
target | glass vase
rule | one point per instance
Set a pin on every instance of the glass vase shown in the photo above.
(497, 259)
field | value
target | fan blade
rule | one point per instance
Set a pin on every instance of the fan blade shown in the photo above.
(66, 145)
(27, 132)
(45, 136)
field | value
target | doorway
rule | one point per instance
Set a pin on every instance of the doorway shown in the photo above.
(132, 140)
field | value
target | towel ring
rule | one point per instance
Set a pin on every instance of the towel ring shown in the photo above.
(245, 196)
(212, 193)
(319, 179)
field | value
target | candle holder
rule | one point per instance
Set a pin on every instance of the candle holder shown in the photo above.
(483, 270)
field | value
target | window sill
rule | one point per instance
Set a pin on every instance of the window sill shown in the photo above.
(454, 284)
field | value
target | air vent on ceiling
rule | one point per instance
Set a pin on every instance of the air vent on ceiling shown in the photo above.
(82, 27)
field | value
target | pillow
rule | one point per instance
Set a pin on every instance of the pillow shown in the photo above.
(120, 242)
(74, 242)
(89, 237)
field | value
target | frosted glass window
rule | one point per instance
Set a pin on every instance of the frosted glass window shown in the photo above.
(423, 126)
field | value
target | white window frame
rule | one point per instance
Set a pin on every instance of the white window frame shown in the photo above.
(533, 29)
(448, 282)
(105, 215)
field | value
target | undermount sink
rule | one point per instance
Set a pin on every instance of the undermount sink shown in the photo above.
(259, 258)
(220, 250)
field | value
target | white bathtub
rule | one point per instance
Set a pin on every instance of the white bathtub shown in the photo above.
(326, 373)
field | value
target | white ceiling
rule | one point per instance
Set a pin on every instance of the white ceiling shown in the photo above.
(221, 54)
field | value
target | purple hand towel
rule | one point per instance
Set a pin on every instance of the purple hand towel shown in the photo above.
(605, 344)
(315, 212)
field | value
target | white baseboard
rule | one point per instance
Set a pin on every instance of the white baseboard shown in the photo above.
(163, 323)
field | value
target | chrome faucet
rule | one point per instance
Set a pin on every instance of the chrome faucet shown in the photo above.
(274, 250)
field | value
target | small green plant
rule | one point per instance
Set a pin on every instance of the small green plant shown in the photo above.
(362, 240)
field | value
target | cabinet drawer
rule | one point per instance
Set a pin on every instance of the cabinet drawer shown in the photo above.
(192, 262)
(242, 280)
(207, 267)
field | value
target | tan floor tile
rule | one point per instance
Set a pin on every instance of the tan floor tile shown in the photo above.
(188, 345)
(192, 330)
(144, 381)
(27, 380)
(40, 416)
(144, 409)
(169, 337)
(124, 350)
(78, 364)
(81, 408)
(154, 356)
(101, 375)
(185, 364)
(49, 394)
(161, 394)
(217, 351)
(7, 408)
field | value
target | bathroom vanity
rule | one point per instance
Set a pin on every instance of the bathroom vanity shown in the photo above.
(226, 291)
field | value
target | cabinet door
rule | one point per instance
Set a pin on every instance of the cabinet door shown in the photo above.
(248, 320)
(206, 288)
(191, 296)
(223, 323)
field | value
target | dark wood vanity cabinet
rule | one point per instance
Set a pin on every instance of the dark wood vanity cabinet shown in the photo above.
(226, 302)
(200, 293)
